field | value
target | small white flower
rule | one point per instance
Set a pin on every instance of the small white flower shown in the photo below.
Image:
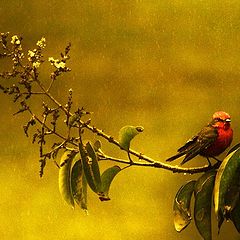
(57, 63)
(41, 43)
(36, 64)
(51, 59)
(31, 53)
(60, 65)
(15, 40)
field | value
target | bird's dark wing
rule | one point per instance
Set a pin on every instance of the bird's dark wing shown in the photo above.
(188, 144)
(196, 144)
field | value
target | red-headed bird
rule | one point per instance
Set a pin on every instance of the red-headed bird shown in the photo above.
(211, 141)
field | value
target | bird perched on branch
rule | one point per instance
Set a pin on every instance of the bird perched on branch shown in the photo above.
(211, 141)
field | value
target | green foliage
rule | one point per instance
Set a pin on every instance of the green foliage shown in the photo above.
(235, 216)
(107, 178)
(89, 171)
(93, 166)
(79, 184)
(181, 206)
(227, 186)
(224, 185)
(77, 171)
(203, 204)
(126, 134)
(64, 178)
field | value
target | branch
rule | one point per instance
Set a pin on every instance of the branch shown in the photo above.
(157, 164)
(30, 74)
(48, 128)
(150, 162)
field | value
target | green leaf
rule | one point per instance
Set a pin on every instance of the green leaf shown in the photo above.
(107, 178)
(94, 166)
(231, 199)
(64, 179)
(84, 193)
(235, 216)
(77, 185)
(203, 202)
(181, 206)
(227, 180)
(126, 134)
(87, 168)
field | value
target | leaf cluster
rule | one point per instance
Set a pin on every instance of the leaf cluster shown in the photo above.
(218, 189)
(80, 170)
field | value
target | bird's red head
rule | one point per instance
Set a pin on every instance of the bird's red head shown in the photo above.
(222, 116)
(222, 119)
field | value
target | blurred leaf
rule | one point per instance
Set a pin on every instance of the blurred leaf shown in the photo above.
(87, 168)
(107, 178)
(203, 202)
(64, 179)
(126, 134)
(94, 166)
(235, 216)
(231, 199)
(181, 207)
(227, 180)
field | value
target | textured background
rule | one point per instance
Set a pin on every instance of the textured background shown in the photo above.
(165, 65)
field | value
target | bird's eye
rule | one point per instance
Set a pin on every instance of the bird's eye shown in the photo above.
(219, 120)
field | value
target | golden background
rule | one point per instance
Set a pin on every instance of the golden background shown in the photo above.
(165, 65)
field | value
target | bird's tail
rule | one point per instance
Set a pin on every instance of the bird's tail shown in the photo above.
(178, 155)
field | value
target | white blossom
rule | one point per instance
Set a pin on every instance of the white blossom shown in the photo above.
(41, 43)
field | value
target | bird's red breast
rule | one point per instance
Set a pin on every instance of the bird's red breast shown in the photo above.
(223, 141)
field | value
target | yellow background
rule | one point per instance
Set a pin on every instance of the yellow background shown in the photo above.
(165, 65)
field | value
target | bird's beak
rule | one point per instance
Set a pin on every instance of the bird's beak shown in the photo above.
(228, 120)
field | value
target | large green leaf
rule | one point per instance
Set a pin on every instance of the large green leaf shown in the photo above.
(227, 181)
(64, 179)
(231, 199)
(94, 166)
(181, 206)
(87, 168)
(203, 202)
(78, 184)
(107, 178)
(235, 216)
(76, 181)
(126, 134)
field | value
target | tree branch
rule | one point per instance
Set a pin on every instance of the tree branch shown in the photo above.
(157, 164)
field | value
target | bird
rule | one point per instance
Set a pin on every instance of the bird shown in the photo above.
(210, 142)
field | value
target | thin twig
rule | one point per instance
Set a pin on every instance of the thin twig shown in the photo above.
(50, 85)
(48, 128)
